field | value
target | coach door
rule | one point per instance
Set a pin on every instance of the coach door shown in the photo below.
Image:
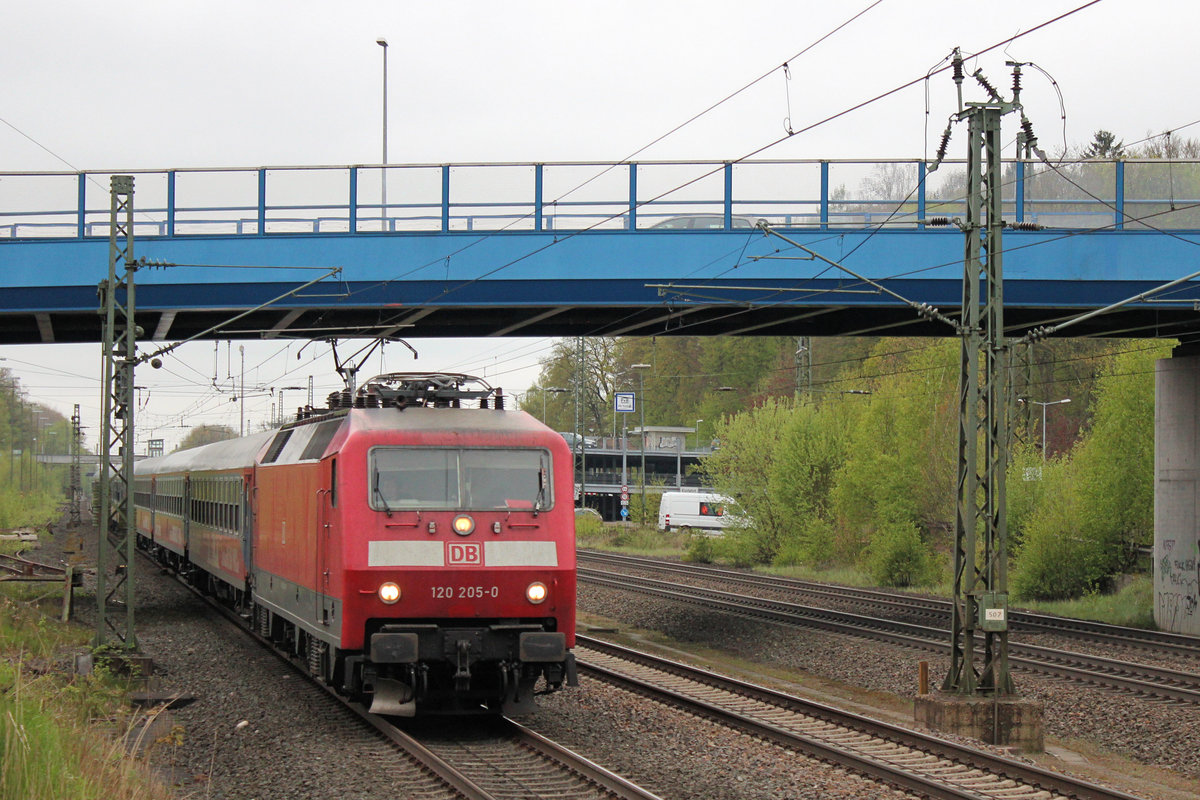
(244, 524)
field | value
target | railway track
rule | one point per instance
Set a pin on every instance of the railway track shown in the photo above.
(1128, 676)
(908, 760)
(937, 611)
(504, 759)
(492, 759)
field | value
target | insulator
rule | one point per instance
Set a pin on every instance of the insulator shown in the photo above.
(1024, 226)
(978, 75)
(499, 403)
(941, 151)
(1027, 129)
(938, 222)
(1017, 81)
(958, 66)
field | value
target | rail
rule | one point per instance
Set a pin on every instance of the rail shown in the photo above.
(659, 196)
(917, 762)
(1132, 677)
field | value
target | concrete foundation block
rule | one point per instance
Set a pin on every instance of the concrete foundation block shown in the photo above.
(1007, 722)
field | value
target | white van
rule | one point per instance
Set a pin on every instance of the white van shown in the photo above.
(704, 511)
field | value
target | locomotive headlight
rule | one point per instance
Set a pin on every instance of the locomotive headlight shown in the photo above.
(536, 592)
(463, 524)
(389, 593)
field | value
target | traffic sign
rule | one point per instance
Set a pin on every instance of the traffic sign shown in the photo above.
(624, 497)
(624, 488)
(624, 513)
(625, 402)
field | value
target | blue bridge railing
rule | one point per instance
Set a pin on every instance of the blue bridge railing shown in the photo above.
(572, 196)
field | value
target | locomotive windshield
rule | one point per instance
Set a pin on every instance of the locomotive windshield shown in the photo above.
(477, 479)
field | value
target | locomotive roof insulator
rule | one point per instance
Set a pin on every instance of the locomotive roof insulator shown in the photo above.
(401, 390)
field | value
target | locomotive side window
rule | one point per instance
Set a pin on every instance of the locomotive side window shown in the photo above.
(333, 482)
(476, 479)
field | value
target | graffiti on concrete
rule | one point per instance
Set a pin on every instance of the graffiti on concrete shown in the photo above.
(1178, 584)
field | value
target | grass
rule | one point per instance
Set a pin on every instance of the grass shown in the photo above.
(1131, 606)
(61, 735)
(631, 539)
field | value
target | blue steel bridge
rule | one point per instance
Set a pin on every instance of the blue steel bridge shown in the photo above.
(570, 249)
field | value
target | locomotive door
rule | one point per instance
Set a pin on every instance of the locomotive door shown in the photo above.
(324, 610)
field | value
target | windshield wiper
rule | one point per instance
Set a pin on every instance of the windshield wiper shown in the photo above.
(541, 494)
(382, 499)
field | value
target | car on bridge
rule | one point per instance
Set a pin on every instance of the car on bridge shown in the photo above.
(708, 222)
(576, 441)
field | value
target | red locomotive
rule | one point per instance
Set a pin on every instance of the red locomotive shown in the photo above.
(417, 553)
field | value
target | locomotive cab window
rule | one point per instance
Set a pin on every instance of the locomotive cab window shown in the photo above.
(476, 479)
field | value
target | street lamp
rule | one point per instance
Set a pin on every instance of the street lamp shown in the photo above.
(698, 433)
(1043, 405)
(553, 389)
(642, 403)
(383, 171)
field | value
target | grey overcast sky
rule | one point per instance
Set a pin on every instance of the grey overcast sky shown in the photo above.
(146, 84)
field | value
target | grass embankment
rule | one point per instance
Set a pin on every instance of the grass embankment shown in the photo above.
(1131, 605)
(62, 736)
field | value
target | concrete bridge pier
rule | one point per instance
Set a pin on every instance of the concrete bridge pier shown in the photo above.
(1177, 491)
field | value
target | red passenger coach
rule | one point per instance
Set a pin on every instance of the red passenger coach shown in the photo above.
(415, 552)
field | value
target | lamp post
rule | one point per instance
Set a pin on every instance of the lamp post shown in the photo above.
(242, 394)
(698, 433)
(1043, 405)
(642, 402)
(553, 389)
(383, 171)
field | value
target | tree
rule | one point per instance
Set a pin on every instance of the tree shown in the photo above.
(683, 383)
(1104, 145)
(206, 434)
(740, 468)
(1097, 503)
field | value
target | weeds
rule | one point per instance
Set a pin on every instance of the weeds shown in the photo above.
(62, 735)
(1132, 605)
(628, 538)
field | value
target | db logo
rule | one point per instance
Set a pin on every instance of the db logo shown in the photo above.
(467, 553)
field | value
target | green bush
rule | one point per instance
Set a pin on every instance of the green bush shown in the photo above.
(699, 549)
(588, 525)
(738, 547)
(1057, 560)
(898, 557)
(812, 545)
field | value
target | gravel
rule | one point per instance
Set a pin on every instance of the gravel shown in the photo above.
(1145, 731)
(257, 730)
